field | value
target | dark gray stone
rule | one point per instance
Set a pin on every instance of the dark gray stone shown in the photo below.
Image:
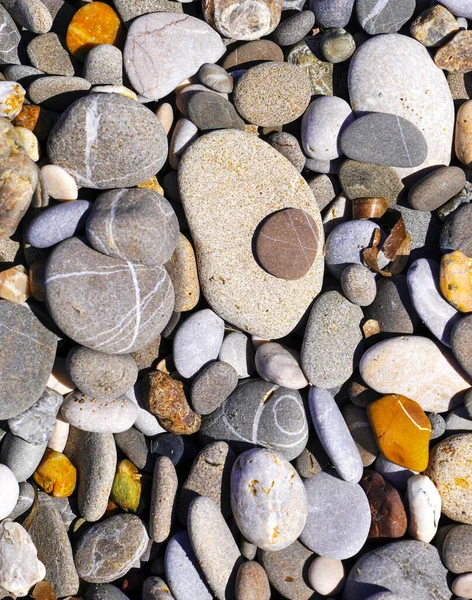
(432, 191)
(36, 425)
(9, 39)
(104, 591)
(395, 474)
(212, 386)
(58, 223)
(378, 16)
(295, 28)
(209, 111)
(104, 65)
(392, 307)
(133, 445)
(456, 233)
(332, 13)
(365, 180)
(21, 457)
(461, 343)
(57, 92)
(170, 445)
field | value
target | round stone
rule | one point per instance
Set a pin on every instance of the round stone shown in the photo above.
(432, 191)
(20, 456)
(332, 13)
(295, 28)
(97, 415)
(326, 575)
(58, 223)
(101, 151)
(237, 350)
(182, 270)
(456, 549)
(79, 283)
(252, 582)
(358, 284)
(337, 45)
(212, 386)
(272, 94)
(286, 570)
(208, 110)
(119, 226)
(461, 8)
(335, 529)
(55, 92)
(287, 243)
(280, 365)
(375, 16)
(104, 65)
(268, 499)
(108, 550)
(9, 493)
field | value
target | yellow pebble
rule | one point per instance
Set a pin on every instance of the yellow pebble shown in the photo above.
(15, 284)
(30, 142)
(56, 474)
(152, 184)
(455, 280)
(126, 490)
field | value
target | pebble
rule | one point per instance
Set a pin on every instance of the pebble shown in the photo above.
(30, 143)
(412, 88)
(407, 568)
(278, 364)
(104, 65)
(238, 351)
(155, 589)
(183, 572)
(322, 124)
(324, 189)
(94, 456)
(462, 144)
(460, 8)
(163, 499)
(243, 21)
(209, 111)
(10, 492)
(179, 44)
(361, 431)
(332, 13)
(216, 78)
(451, 476)
(268, 499)
(209, 476)
(395, 474)
(334, 434)
(263, 414)
(145, 293)
(424, 505)
(438, 425)
(384, 139)
(47, 53)
(333, 340)
(212, 386)
(56, 92)
(320, 73)
(97, 414)
(376, 16)
(326, 575)
(36, 424)
(337, 45)
(435, 189)
(104, 591)
(58, 223)
(170, 445)
(127, 487)
(455, 280)
(206, 186)
(289, 147)
(462, 585)
(295, 28)
(118, 214)
(59, 436)
(258, 50)
(392, 307)
(24, 502)
(415, 367)
(272, 94)
(358, 284)
(455, 550)
(214, 546)
(252, 582)
(60, 185)
(433, 26)
(128, 10)
(286, 571)
(458, 420)
(456, 55)
(20, 456)
(100, 375)
(12, 96)
(17, 549)
(10, 39)
(365, 180)
(185, 132)
(101, 156)
(133, 445)
(460, 342)
(125, 540)
(389, 518)
(340, 529)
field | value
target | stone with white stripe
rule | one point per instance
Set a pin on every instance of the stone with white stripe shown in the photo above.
(384, 16)
(9, 39)
(106, 303)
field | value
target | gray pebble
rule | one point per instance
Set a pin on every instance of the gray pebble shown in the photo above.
(155, 589)
(36, 425)
(461, 340)
(104, 65)
(145, 422)
(365, 180)
(324, 190)
(130, 9)
(358, 423)
(392, 307)
(133, 445)
(377, 16)
(58, 223)
(456, 549)
(424, 228)
(48, 53)
(436, 188)
(212, 386)
(332, 13)
(170, 445)
(248, 549)
(25, 500)
(280, 365)
(104, 591)
(286, 570)
(358, 284)
(20, 456)
(215, 78)
(438, 425)
(23, 74)
(458, 420)
(33, 15)
(456, 233)
(327, 167)
(237, 350)
(337, 45)
(57, 92)
(9, 40)
(163, 499)
(395, 474)
(295, 28)
(209, 111)
(288, 146)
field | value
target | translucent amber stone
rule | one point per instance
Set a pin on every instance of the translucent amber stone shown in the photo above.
(56, 474)
(455, 280)
(402, 430)
(126, 490)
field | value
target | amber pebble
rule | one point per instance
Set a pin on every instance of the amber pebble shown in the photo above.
(56, 474)
(15, 284)
(455, 280)
(94, 24)
(402, 430)
(126, 490)
(152, 184)
(28, 117)
(43, 591)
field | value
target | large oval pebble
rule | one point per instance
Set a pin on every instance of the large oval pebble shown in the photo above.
(58, 223)
(99, 416)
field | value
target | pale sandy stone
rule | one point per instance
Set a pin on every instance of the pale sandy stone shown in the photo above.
(165, 114)
(9, 492)
(30, 142)
(462, 586)
(182, 270)
(15, 285)
(60, 435)
(463, 138)
(243, 19)
(415, 367)
(115, 89)
(424, 504)
(12, 96)
(60, 185)
(326, 575)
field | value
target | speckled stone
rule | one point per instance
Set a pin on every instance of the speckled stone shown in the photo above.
(125, 540)
(339, 529)
(252, 582)
(154, 588)
(104, 591)
(10, 39)
(56, 92)
(389, 518)
(258, 50)
(456, 549)
(143, 292)
(209, 111)
(248, 417)
(376, 16)
(333, 340)
(456, 55)
(320, 72)
(36, 425)
(163, 499)
(436, 188)
(232, 280)
(214, 546)
(451, 476)
(289, 147)
(130, 9)
(183, 573)
(392, 307)
(295, 28)
(58, 223)
(20, 456)
(33, 15)
(364, 180)
(48, 53)
(281, 365)
(133, 445)
(212, 386)
(433, 26)
(332, 13)
(104, 65)
(456, 233)
(102, 152)
(461, 343)
(324, 189)
(358, 284)
(286, 571)
(176, 46)
(238, 351)
(337, 45)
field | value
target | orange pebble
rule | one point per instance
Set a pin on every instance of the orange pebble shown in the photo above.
(455, 280)
(28, 117)
(402, 430)
(56, 474)
(93, 24)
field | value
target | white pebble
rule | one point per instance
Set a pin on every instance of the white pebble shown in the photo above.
(12, 96)
(185, 132)
(9, 492)
(115, 89)
(165, 114)
(60, 185)
(280, 365)
(462, 586)
(424, 506)
(326, 575)
(30, 142)
(60, 435)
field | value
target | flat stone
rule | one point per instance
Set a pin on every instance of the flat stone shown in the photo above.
(212, 386)
(432, 191)
(125, 541)
(133, 445)
(10, 39)
(358, 284)
(240, 20)
(48, 53)
(216, 78)
(285, 570)
(365, 180)
(280, 365)
(389, 518)
(384, 139)
(58, 223)
(175, 45)
(333, 340)
(20, 456)
(392, 307)
(102, 156)
(272, 94)
(268, 499)
(460, 8)
(238, 351)
(210, 111)
(337, 45)
(335, 530)
(433, 26)
(36, 425)
(57, 92)
(247, 418)
(375, 16)
(79, 283)
(23, 74)
(206, 185)
(98, 415)
(94, 456)
(456, 55)
(424, 506)
(214, 546)
(455, 550)
(163, 499)
(404, 72)
(407, 568)
(117, 215)
(252, 582)
(295, 28)
(258, 50)
(104, 65)
(332, 13)
(289, 147)
(414, 367)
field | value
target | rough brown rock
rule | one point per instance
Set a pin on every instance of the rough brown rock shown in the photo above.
(388, 513)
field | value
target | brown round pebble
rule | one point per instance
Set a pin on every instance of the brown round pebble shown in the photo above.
(287, 243)
(388, 513)
(257, 50)
(252, 582)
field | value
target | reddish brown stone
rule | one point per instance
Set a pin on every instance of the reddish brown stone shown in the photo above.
(388, 513)
(166, 400)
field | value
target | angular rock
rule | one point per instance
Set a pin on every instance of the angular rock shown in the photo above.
(433, 26)
(364, 180)
(36, 425)
(456, 55)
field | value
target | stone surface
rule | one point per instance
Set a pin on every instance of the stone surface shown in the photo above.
(332, 13)
(394, 474)
(294, 28)
(334, 434)
(239, 21)
(333, 340)
(36, 424)
(163, 499)
(212, 386)
(407, 568)
(20, 456)
(129, 10)
(389, 518)
(286, 571)
(377, 16)
(58, 223)
(392, 307)
(159, 36)
(56, 92)
(125, 540)
(216, 78)
(326, 575)
(145, 298)
(99, 415)
(455, 548)
(208, 111)
(183, 573)
(258, 50)
(432, 191)
(229, 279)
(460, 8)
(10, 39)
(259, 413)
(10, 492)
(289, 147)
(280, 365)
(185, 132)
(404, 72)
(133, 445)
(104, 65)
(47, 52)
(460, 342)
(104, 591)
(272, 94)
(182, 270)
(415, 367)
(361, 431)
(337, 45)
(268, 499)
(456, 55)
(455, 280)
(462, 145)
(433, 26)
(364, 180)
(238, 351)
(451, 475)
(59, 184)
(252, 582)
(340, 529)
(25, 498)
(424, 506)
(358, 284)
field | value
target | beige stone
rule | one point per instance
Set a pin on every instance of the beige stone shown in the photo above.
(60, 435)
(462, 586)
(115, 89)
(182, 269)
(61, 186)
(59, 379)
(30, 142)
(463, 138)
(15, 285)
(243, 19)
(326, 575)
(165, 114)
(152, 184)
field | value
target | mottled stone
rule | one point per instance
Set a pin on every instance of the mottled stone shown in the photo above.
(456, 549)
(104, 65)
(57, 92)
(424, 507)
(295, 28)
(163, 496)
(286, 571)
(10, 39)
(289, 147)
(358, 284)
(377, 16)
(258, 50)
(364, 180)
(456, 55)
(389, 518)
(243, 21)
(462, 144)
(98, 415)
(433, 26)
(252, 582)
(337, 45)
(209, 111)
(216, 78)
(47, 53)
(332, 13)
(36, 424)
(182, 270)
